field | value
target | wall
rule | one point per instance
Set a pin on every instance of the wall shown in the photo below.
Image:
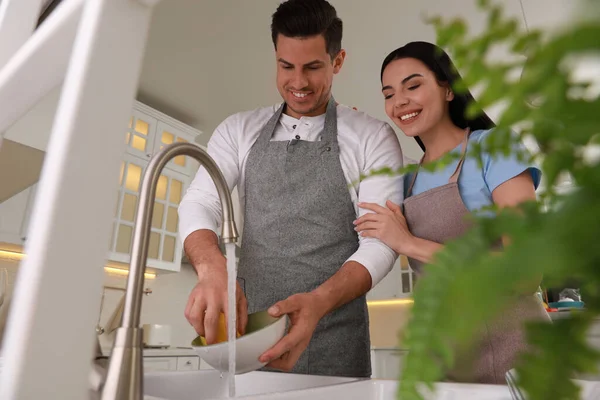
(206, 60)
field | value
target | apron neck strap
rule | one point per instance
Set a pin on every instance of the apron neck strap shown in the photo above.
(454, 177)
(330, 126)
(414, 178)
(329, 129)
(269, 128)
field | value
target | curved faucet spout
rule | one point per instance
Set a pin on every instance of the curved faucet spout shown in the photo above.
(124, 377)
(143, 224)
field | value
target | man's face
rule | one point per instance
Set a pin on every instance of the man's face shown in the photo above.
(305, 74)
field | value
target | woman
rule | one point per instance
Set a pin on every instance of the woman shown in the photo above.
(417, 82)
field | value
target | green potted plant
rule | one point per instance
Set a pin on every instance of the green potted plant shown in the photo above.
(558, 237)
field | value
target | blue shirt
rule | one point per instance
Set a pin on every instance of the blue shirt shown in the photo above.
(474, 183)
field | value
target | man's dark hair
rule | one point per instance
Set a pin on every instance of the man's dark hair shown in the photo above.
(305, 18)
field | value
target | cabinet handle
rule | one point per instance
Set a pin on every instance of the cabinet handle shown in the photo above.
(188, 362)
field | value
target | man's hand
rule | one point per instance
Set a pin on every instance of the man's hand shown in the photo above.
(208, 299)
(305, 310)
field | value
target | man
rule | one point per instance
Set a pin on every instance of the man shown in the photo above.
(297, 167)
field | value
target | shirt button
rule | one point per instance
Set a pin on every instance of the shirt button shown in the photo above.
(294, 126)
(297, 137)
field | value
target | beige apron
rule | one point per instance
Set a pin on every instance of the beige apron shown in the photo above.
(439, 215)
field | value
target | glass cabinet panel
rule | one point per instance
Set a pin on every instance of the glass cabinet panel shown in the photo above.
(164, 246)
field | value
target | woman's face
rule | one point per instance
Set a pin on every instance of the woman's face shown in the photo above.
(414, 99)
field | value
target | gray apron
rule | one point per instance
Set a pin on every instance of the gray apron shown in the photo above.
(439, 215)
(298, 232)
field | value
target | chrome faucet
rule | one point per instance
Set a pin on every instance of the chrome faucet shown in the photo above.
(124, 377)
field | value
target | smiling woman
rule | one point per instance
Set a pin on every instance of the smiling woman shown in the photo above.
(423, 63)
(418, 82)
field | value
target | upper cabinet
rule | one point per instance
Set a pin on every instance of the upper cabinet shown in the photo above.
(164, 250)
(14, 217)
(146, 133)
(141, 134)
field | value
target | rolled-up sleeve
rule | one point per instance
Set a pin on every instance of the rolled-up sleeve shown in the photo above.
(382, 150)
(200, 207)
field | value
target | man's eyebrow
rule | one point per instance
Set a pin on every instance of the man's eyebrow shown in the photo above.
(309, 64)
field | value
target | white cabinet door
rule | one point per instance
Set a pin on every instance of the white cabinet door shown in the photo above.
(167, 134)
(130, 180)
(12, 215)
(165, 249)
(160, 364)
(140, 134)
(387, 363)
(188, 363)
(29, 208)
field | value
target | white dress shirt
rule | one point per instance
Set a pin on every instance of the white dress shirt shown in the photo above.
(365, 144)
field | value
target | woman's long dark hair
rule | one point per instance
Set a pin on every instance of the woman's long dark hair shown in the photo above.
(440, 64)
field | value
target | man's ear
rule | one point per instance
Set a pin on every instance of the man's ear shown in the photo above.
(338, 61)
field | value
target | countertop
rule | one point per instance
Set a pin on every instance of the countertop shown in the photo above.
(189, 352)
(162, 352)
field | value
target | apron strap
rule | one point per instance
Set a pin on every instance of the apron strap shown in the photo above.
(269, 128)
(455, 175)
(329, 129)
(414, 178)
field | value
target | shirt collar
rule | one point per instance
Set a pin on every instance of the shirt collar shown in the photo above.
(288, 121)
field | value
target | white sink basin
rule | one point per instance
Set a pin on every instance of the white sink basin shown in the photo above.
(207, 384)
(379, 389)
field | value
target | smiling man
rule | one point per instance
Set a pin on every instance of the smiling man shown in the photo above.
(297, 166)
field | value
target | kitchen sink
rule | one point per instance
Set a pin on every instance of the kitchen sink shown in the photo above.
(208, 384)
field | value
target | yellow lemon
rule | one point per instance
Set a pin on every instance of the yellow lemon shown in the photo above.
(221, 332)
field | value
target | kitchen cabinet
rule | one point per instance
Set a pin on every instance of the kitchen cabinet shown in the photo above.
(164, 250)
(147, 132)
(180, 363)
(15, 214)
(398, 283)
(160, 364)
(188, 363)
(387, 363)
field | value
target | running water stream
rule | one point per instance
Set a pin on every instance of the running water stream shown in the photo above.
(232, 314)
